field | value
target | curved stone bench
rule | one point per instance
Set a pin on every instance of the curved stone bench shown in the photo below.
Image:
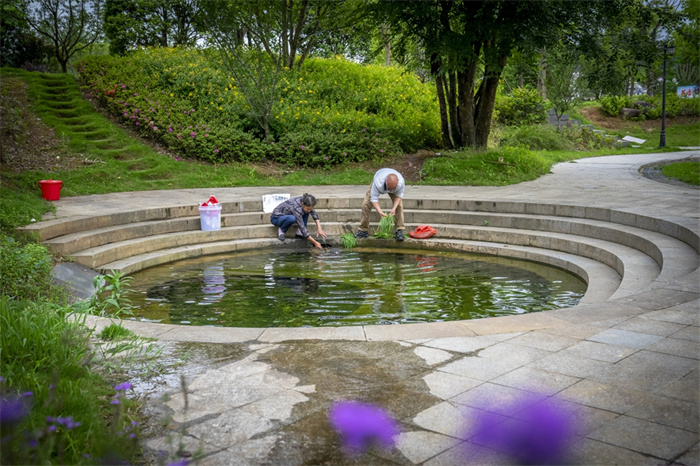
(617, 253)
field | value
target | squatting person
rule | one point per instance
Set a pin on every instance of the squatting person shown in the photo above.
(297, 210)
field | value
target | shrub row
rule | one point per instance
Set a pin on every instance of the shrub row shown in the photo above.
(675, 106)
(329, 112)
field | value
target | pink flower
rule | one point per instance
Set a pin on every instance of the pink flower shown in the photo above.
(381, 150)
(302, 147)
(192, 134)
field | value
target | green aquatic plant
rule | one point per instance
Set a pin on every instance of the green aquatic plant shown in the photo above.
(386, 227)
(349, 241)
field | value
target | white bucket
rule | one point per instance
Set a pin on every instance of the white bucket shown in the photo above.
(210, 217)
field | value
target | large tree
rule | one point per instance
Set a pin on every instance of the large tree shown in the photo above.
(468, 43)
(69, 25)
(286, 29)
(141, 23)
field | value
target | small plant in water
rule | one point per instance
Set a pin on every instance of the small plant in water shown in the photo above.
(116, 332)
(348, 240)
(386, 227)
(116, 286)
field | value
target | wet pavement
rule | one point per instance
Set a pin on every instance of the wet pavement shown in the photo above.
(624, 375)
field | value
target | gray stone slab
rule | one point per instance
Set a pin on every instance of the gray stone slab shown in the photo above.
(598, 351)
(416, 331)
(543, 339)
(691, 456)
(499, 399)
(684, 389)
(445, 386)
(463, 344)
(469, 453)
(513, 352)
(619, 337)
(535, 380)
(646, 370)
(670, 412)
(603, 396)
(576, 331)
(642, 324)
(687, 313)
(646, 437)
(432, 356)
(317, 333)
(685, 348)
(419, 446)
(658, 299)
(691, 333)
(569, 365)
(253, 451)
(445, 418)
(593, 452)
(479, 368)
(582, 419)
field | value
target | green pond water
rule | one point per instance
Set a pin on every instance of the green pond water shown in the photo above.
(336, 287)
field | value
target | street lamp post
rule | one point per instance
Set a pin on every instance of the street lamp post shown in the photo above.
(669, 50)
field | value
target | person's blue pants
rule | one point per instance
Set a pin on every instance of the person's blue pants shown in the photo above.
(286, 221)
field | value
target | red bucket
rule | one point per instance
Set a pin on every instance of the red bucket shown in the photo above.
(51, 189)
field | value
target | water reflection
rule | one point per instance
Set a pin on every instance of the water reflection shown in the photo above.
(348, 287)
(214, 288)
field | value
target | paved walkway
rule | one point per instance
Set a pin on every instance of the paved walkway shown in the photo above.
(626, 376)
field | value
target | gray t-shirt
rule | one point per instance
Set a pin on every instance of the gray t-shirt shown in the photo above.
(379, 184)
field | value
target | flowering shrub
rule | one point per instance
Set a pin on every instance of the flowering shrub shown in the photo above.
(337, 110)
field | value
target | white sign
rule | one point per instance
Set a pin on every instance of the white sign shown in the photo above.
(270, 201)
(634, 140)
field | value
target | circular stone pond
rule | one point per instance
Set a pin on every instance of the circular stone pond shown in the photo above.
(336, 287)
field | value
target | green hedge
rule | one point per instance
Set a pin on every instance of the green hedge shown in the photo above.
(329, 112)
(675, 106)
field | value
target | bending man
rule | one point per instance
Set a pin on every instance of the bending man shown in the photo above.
(386, 181)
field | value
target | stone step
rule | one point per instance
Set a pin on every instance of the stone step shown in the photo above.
(638, 268)
(123, 239)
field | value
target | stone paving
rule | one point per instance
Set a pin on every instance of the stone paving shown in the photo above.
(626, 373)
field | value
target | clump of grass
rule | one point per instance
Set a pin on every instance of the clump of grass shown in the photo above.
(349, 241)
(386, 227)
(116, 332)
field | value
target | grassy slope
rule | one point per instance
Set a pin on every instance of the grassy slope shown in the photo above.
(118, 162)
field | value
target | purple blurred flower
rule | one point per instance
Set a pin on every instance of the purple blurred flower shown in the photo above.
(12, 410)
(122, 386)
(360, 424)
(542, 433)
(179, 463)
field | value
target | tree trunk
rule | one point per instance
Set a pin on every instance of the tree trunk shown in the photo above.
(456, 129)
(444, 123)
(465, 96)
(487, 99)
(542, 74)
